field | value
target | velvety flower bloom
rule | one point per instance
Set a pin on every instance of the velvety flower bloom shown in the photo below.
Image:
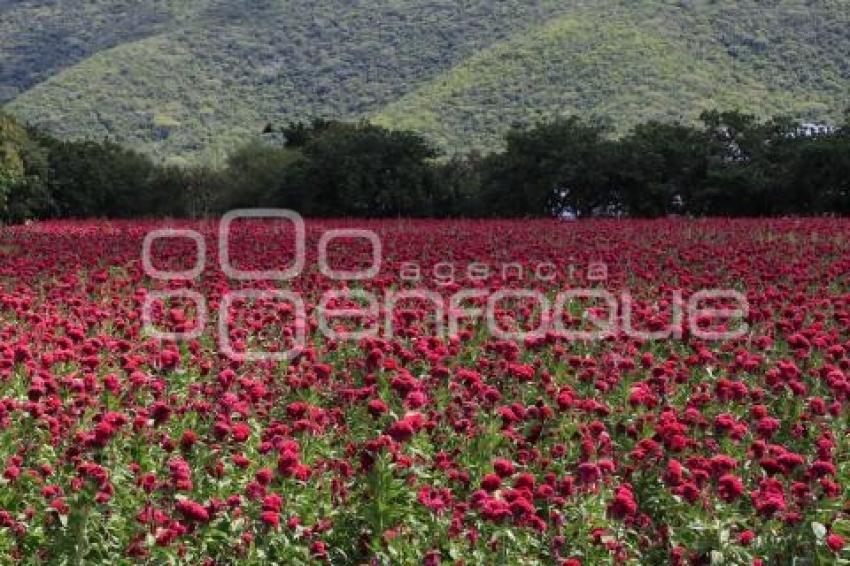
(404, 429)
(319, 550)
(193, 511)
(11, 473)
(730, 487)
(432, 558)
(437, 500)
(674, 474)
(521, 508)
(264, 476)
(270, 518)
(416, 400)
(821, 468)
(288, 462)
(160, 412)
(503, 468)
(272, 502)
(491, 482)
(769, 498)
(240, 432)
(188, 439)
(835, 542)
(494, 437)
(377, 407)
(623, 505)
(524, 480)
(588, 472)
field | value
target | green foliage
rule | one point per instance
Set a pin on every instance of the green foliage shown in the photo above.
(361, 170)
(39, 39)
(641, 61)
(657, 165)
(733, 165)
(199, 79)
(549, 169)
(203, 83)
(254, 174)
(23, 173)
(100, 179)
(818, 177)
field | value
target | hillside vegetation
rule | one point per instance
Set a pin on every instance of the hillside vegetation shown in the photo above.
(40, 38)
(194, 79)
(638, 63)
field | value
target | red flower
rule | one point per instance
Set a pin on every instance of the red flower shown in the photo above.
(264, 476)
(404, 429)
(377, 408)
(491, 482)
(193, 511)
(624, 504)
(319, 550)
(288, 463)
(730, 487)
(188, 439)
(270, 518)
(746, 537)
(504, 468)
(835, 542)
(240, 432)
(437, 500)
(160, 412)
(769, 498)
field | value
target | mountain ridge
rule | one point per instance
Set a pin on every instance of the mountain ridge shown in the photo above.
(189, 81)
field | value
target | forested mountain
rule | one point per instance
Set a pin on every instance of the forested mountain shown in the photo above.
(192, 79)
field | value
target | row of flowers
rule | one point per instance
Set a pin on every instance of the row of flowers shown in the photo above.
(416, 447)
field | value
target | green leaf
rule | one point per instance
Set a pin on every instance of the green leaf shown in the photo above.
(841, 527)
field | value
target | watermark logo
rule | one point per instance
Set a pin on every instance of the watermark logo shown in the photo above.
(710, 314)
(262, 213)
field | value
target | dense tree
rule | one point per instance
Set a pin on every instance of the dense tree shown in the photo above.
(733, 165)
(818, 177)
(361, 170)
(297, 134)
(457, 190)
(748, 161)
(255, 173)
(550, 169)
(90, 178)
(658, 167)
(23, 173)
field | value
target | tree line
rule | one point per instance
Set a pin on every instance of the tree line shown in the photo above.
(729, 164)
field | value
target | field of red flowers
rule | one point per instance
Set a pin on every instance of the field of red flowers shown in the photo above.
(417, 446)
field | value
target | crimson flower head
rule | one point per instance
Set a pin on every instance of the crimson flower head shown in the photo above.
(835, 542)
(730, 487)
(270, 518)
(193, 511)
(377, 408)
(504, 468)
(624, 504)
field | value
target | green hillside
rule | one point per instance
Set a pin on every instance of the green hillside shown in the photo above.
(642, 63)
(193, 79)
(40, 38)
